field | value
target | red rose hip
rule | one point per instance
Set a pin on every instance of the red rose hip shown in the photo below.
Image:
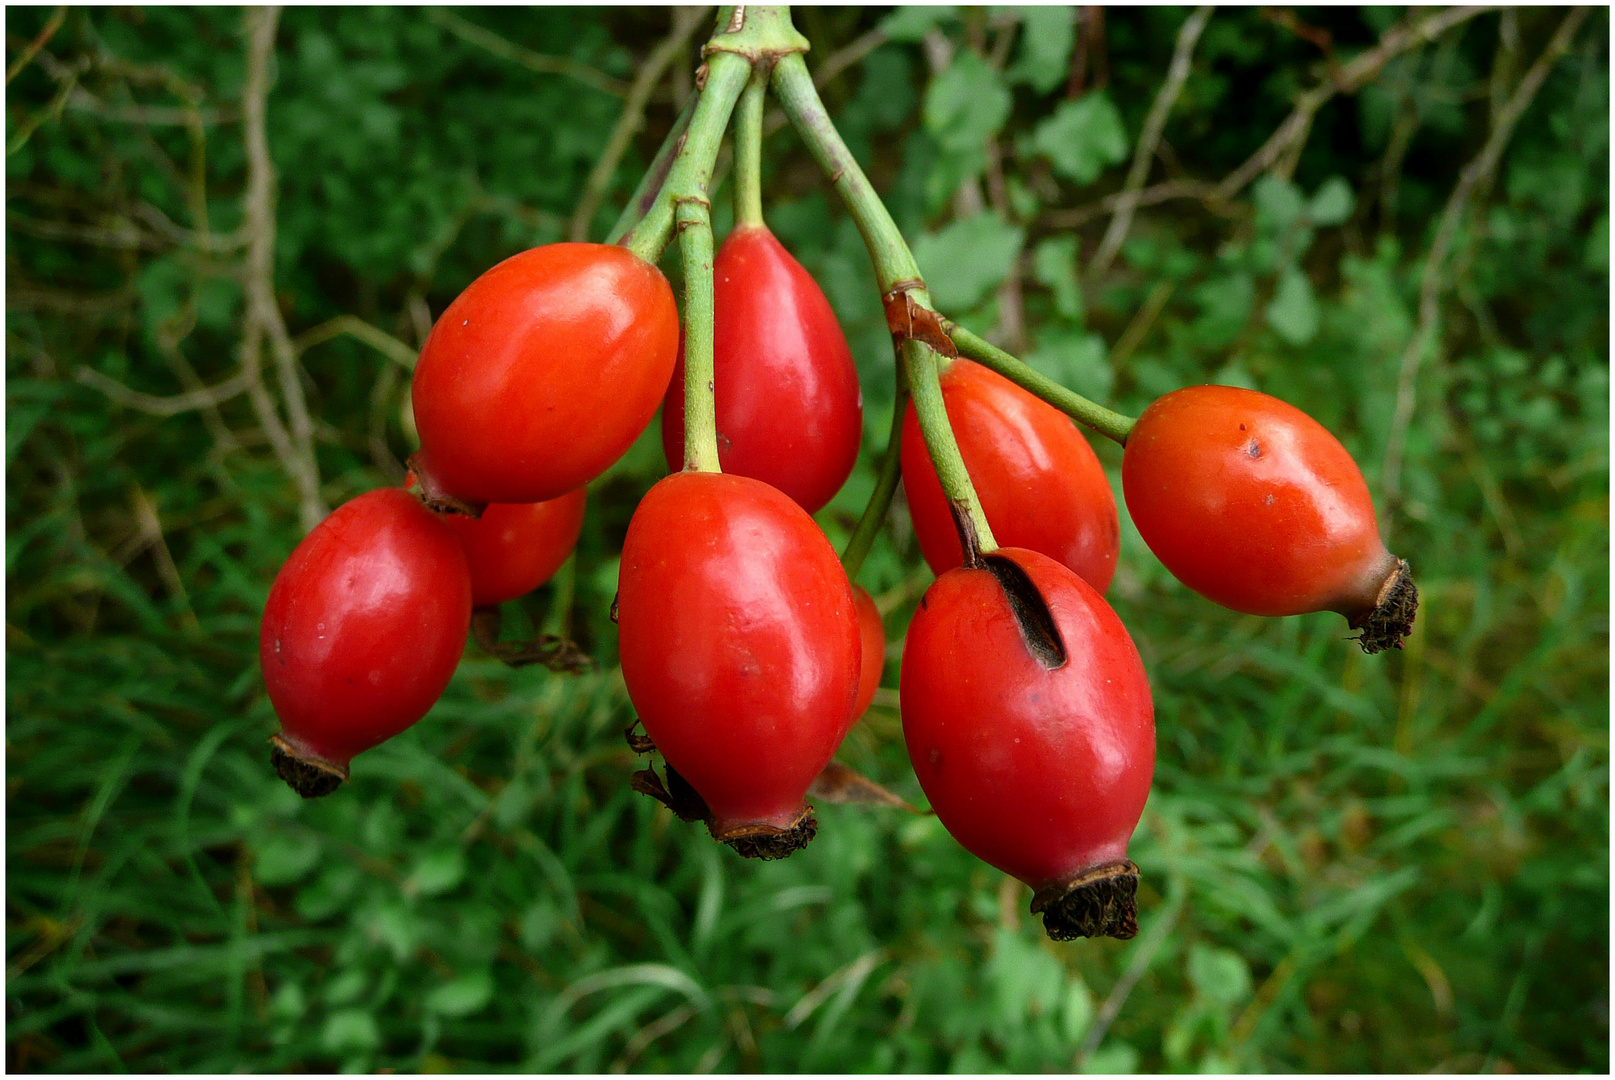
(542, 373)
(362, 630)
(1030, 726)
(1253, 504)
(872, 633)
(1040, 483)
(513, 548)
(740, 649)
(790, 412)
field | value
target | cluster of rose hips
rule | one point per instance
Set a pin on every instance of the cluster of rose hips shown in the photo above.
(747, 652)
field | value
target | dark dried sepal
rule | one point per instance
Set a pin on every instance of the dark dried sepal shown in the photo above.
(677, 795)
(1391, 620)
(555, 653)
(759, 841)
(847, 787)
(639, 744)
(310, 777)
(1095, 903)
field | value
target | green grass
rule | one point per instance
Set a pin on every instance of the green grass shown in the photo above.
(1350, 863)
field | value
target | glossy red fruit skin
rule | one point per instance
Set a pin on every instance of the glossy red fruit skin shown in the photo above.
(1040, 483)
(1253, 504)
(543, 372)
(364, 625)
(790, 411)
(513, 548)
(739, 643)
(1041, 773)
(872, 634)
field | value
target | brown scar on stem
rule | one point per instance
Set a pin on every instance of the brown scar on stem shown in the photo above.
(909, 321)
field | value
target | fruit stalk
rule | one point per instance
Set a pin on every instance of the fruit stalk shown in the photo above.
(886, 478)
(748, 136)
(897, 275)
(1112, 425)
(694, 217)
(650, 185)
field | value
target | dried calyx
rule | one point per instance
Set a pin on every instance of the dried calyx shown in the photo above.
(304, 773)
(754, 840)
(555, 653)
(1391, 618)
(1096, 903)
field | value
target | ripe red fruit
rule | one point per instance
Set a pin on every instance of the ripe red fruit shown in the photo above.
(740, 648)
(513, 548)
(790, 412)
(363, 628)
(542, 373)
(1253, 504)
(1039, 481)
(1030, 726)
(872, 634)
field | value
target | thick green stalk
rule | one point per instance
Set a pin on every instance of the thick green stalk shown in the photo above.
(748, 136)
(727, 73)
(794, 88)
(895, 269)
(880, 500)
(925, 383)
(650, 185)
(1112, 425)
(694, 218)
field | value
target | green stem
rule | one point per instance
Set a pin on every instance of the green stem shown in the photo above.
(727, 73)
(880, 500)
(925, 383)
(748, 136)
(700, 404)
(894, 263)
(1112, 425)
(894, 266)
(650, 185)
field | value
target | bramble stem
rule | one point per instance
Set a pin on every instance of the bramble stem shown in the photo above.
(894, 263)
(694, 217)
(748, 142)
(1112, 425)
(727, 73)
(880, 500)
(925, 383)
(650, 185)
(895, 268)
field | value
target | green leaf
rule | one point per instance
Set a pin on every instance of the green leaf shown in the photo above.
(909, 24)
(1220, 976)
(1082, 138)
(438, 872)
(1113, 1057)
(284, 858)
(1044, 56)
(1054, 265)
(461, 996)
(1279, 204)
(966, 102)
(350, 1031)
(966, 261)
(1331, 204)
(1076, 1012)
(1294, 313)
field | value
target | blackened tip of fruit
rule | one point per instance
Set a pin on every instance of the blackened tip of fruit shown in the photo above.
(1391, 619)
(1031, 612)
(769, 841)
(309, 777)
(1095, 903)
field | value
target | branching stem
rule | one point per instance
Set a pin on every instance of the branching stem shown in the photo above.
(1112, 425)
(748, 135)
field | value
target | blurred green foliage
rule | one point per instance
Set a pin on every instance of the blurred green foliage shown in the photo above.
(1350, 863)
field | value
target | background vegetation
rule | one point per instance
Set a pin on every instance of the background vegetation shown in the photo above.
(1350, 863)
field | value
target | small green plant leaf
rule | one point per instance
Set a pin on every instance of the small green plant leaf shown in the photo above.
(1082, 138)
(968, 259)
(1294, 313)
(462, 995)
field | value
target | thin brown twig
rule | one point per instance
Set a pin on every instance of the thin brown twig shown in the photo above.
(1166, 191)
(165, 404)
(527, 58)
(294, 443)
(1433, 281)
(53, 24)
(1149, 138)
(355, 327)
(1350, 78)
(685, 21)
